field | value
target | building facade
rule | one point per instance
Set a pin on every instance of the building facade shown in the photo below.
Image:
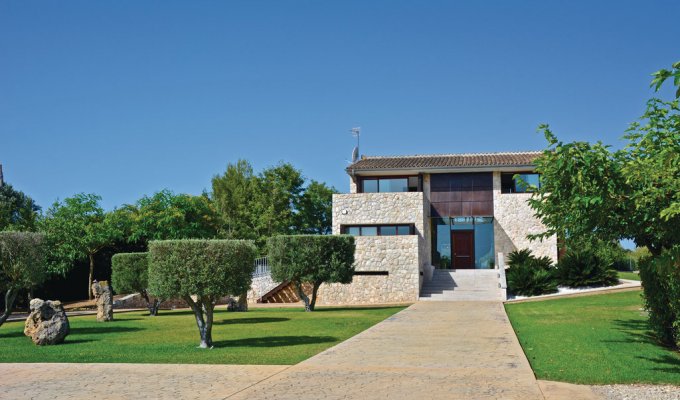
(413, 214)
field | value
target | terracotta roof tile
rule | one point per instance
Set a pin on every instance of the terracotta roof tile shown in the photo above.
(506, 159)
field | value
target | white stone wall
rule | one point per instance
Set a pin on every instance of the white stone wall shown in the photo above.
(514, 220)
(260, 286)
(398, 255)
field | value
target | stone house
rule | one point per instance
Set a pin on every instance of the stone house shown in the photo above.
(415, 215)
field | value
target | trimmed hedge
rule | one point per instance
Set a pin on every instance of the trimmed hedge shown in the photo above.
(130, 274)
(661, 287)
(204, 269)
(313, 259)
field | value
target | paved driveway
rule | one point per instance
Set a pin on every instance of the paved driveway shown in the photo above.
(432, 350)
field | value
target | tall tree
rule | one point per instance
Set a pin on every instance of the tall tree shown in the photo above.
(316, 209)
(22, 265)
(17, 210)
(234, 193)
(77, 228)
(166, 215)
(277, 201)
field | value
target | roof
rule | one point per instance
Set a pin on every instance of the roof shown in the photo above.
(445, 161)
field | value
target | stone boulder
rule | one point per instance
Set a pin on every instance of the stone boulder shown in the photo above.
(104, 298)
(47, 323)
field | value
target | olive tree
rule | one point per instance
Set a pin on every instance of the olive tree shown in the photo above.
(200, 271)
(311, 259)
(22, 265)
(130, 274)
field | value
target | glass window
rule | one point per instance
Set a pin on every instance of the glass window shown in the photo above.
(393, 185)
(403, 230)
(527, 183)
(484, 245)
(353, 230)
(369, 231)
(413, 183)
(388, 230)
(441, 233)
(370, 186)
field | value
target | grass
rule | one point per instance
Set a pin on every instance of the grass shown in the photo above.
(629, 275)
(601, 339)
(259, 336)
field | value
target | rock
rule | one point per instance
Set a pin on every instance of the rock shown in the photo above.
(47, 324)
(104, 298)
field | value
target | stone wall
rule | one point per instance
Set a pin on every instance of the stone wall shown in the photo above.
(397, 255)
(260, 286)
(514, 220)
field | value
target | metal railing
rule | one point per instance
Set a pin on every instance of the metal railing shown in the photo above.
(502, 281)
(261, 267)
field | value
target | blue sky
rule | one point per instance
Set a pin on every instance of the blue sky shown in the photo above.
(126, 98)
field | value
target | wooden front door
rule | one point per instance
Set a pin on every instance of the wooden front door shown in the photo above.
(463, 249)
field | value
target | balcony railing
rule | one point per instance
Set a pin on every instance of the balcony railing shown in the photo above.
(261, 267)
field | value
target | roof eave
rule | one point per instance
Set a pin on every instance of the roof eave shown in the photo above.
(404, 171)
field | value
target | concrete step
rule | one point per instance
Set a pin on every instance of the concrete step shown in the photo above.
(462, 285)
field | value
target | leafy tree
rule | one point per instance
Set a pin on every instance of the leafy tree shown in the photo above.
(234, 193)
(17, 210)
(316, 209)
(22, 265)
(312, 259)
(200, 272)
(130, 274)
(77, 228)
(662, 75)
(166, 215)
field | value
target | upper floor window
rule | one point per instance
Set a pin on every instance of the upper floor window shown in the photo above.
(378, 230)
(520, 182)
(400, 184)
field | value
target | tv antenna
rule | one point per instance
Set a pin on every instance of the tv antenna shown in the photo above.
(356, 132)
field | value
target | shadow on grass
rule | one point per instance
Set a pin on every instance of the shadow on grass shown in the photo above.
(261, 320)
(637, 329)
(275, 341)
(11, 334)
(68, 341)
(104, 329)
(668, 363)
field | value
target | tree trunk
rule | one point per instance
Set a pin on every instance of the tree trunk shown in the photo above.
(315, 289)
(91, 278)
(303, 296)
(204, 323)
(10, 296)
(243, 302)
(151, 305)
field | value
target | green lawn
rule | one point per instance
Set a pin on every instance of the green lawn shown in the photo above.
(629, 275)
(259, 336)
(601, 339)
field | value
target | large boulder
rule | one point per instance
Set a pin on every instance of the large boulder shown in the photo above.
(47, 323)
(104, 298)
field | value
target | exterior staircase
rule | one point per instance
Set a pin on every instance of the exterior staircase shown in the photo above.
(463, 285)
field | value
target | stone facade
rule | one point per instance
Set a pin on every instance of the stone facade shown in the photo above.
(514, 220)
(260, 286)
(396, 255)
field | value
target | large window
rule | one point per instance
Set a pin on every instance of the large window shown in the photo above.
(519, 182)
(483, 240)
(397, 184)
(378, 230)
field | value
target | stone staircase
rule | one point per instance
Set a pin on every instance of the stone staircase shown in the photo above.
(462, 285)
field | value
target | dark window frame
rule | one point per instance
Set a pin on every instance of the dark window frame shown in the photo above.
(411, 228)
(360, 182)
(509, 183)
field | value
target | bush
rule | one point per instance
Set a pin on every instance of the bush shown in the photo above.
(22, 265)
(312, 259)
(529, 275)
(661, 287)
(200, 272)
(578, 268)
(130, 274)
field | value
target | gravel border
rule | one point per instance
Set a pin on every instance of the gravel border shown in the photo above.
(638, 392)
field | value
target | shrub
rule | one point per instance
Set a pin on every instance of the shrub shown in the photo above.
(661, 287)
(312, 259)
(578, 268)
(200, 272)
(22, 265)
(130, 274)
(529, 275)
